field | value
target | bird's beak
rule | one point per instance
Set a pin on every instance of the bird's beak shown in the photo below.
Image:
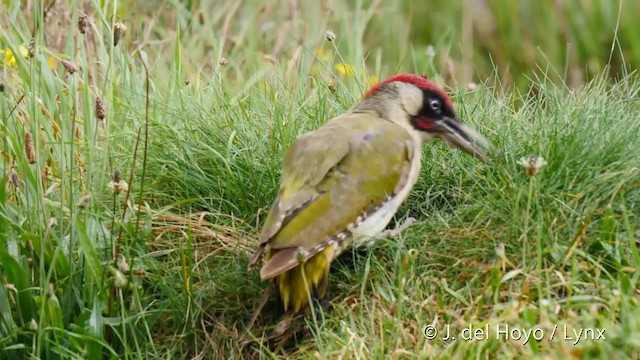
(460, 135)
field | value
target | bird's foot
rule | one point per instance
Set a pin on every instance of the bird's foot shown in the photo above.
(284, 324)
(286, 327)
(390, 233)
(318, 306)
(399, 228)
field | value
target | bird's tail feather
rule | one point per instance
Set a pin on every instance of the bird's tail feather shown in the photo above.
(296, 286)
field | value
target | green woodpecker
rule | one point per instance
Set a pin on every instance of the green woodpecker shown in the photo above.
(342, 183)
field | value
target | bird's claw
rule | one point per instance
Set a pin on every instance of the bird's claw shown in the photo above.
(399, 228)
(284, 324)
(391, 233)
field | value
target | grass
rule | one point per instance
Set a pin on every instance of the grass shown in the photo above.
(158, 270)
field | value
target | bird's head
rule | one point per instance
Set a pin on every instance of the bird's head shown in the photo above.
(425, 110)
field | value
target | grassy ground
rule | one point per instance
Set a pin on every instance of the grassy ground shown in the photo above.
(131, 203)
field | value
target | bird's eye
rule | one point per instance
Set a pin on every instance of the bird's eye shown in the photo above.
(435, 105)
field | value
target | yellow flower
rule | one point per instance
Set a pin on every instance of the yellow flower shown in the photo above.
(345, 69)
(373, 80)
(51, 62)
(10, 58)
(322, 54)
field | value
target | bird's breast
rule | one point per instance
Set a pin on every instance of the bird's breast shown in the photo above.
(377, 221)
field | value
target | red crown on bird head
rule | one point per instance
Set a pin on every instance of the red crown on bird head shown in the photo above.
(420, 81)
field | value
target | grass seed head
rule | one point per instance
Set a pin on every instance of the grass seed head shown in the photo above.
(69, 66)
(117, 187)
(83, 23)
(333, 87)
(118, 33)
(84, 201)
(15, 179)
(116, 176)
(28, 148)
(120, 280)
(430, 52)
(50, 291)
(532, 164)
(31, 49)
(52, 222)
(123, 266)
(329, 35)
(100, 110)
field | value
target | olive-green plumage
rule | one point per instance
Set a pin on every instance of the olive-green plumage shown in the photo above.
(326, 190)
(342, 183)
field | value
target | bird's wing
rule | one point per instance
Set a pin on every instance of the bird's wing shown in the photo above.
(331, 179)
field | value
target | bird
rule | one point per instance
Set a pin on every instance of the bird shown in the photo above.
(342, 183)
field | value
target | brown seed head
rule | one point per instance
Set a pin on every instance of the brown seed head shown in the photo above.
(332, 86)
(100, 110)
(15, 179)
(118, 32)
(116, 176)
(32, 48)
(69, 66)
(28, 148)
(84, 201)
(83, 23)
